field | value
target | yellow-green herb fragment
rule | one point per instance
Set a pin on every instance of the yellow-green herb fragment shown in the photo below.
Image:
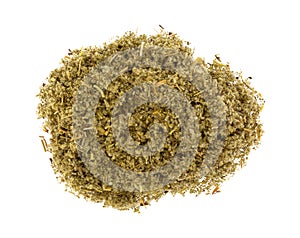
(57, 97)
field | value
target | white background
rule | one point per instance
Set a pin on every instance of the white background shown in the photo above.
(259, 37)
